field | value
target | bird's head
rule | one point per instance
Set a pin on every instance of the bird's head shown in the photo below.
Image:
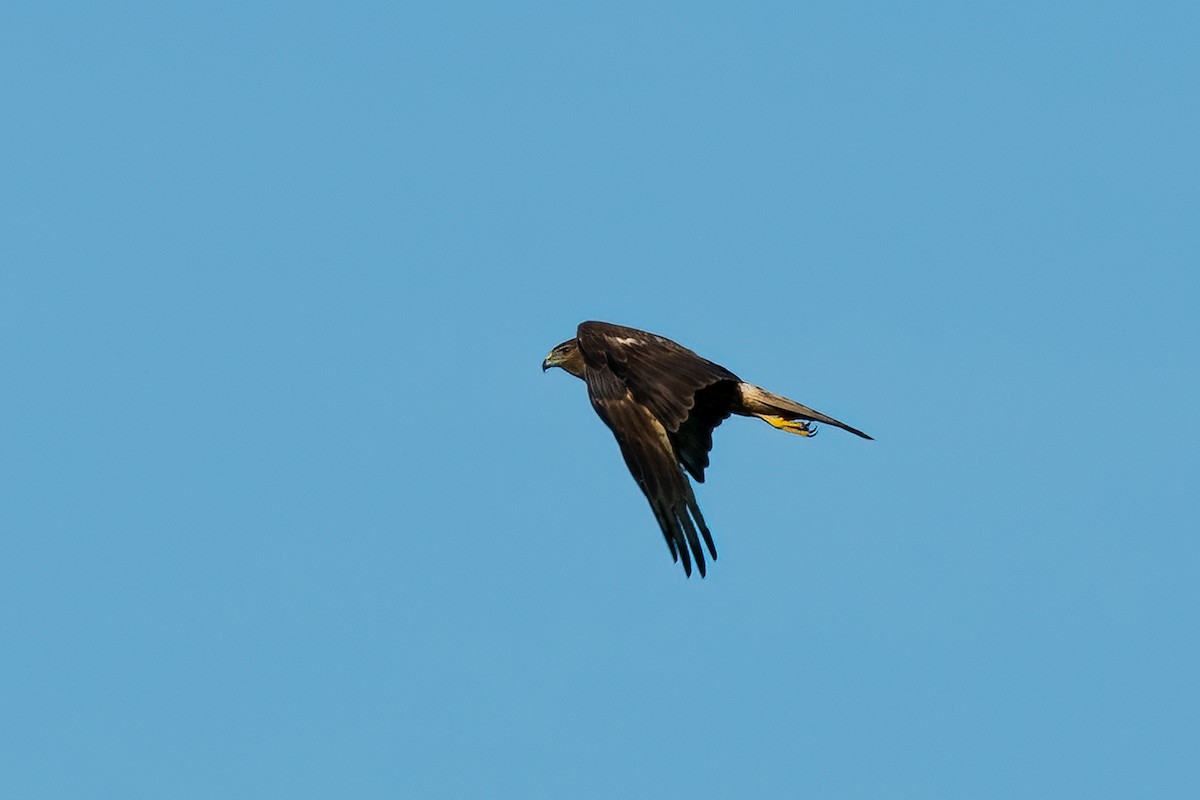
(566, 355)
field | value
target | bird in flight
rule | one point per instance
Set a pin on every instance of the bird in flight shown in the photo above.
(662, 403)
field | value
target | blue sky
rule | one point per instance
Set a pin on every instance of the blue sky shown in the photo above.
(290, 510)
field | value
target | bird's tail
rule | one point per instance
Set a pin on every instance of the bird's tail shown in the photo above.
(784, 414)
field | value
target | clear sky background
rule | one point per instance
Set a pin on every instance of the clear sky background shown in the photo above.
(289, 509)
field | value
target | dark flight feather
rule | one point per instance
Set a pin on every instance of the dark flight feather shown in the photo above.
(653, 464)
(693, 439)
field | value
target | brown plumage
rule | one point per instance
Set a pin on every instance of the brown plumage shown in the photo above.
(662, 403)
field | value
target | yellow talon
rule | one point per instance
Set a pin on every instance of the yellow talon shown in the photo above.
(797, 426)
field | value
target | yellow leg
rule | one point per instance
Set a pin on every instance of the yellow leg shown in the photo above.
(797, 426)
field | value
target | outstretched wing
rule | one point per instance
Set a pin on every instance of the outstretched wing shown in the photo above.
(652, 461)
(688, 394)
